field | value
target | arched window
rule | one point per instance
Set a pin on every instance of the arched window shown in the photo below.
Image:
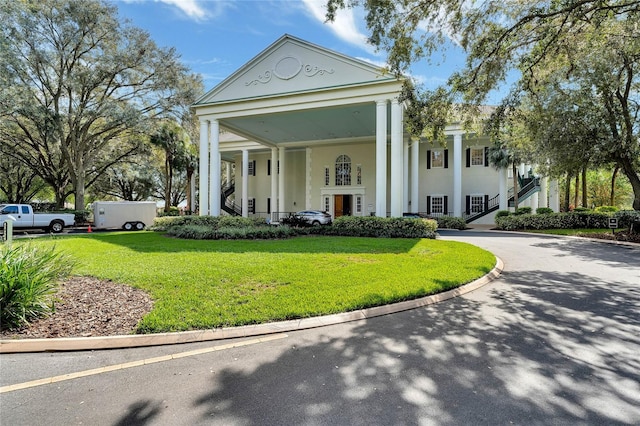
(343, 170)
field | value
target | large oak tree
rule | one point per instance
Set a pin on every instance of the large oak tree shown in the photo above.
(76, 82)
(592, 46)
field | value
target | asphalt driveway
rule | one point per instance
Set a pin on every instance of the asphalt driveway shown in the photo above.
(555, 340)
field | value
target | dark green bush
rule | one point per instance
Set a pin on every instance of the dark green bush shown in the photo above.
(544, 210)
(581, 210)
(606, 209)
(554, 221)
(629, 219)
(161, 224)
(28, 281)
(502, 213)
(394, 227)
(522, 210)
(450, 222)
(204, 232)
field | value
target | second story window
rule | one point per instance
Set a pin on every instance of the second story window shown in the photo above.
(343, 170)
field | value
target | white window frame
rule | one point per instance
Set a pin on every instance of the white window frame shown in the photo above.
(358, 207)
(440, 154)
(474, 158)
(439, 197)
(474, 205)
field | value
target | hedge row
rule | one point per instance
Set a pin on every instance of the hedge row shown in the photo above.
(387, 227)
(203, 232)
(450, 222)
(228, 227)
(163, 223)
(573, 220)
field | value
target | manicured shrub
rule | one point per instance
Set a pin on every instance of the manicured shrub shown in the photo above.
(394, 227)
(629, 219)
(606, 209)
(449, 222)
(544, 210)
(554, 221)
(502, 213)
(204, 232)
(522, 210)
(581, 210)
(28, 281)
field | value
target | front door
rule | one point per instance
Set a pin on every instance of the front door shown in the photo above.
(342, 205)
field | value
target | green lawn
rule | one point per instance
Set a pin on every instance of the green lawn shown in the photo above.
(206, 284)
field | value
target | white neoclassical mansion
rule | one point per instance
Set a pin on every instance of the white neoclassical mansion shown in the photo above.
(302, 127)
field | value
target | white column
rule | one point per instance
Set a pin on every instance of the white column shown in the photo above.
(381, 158)
(457, 175)
(415, 176)
(274, 184)
(204, 168)
(228, 172)
(281, 188)
(554, 196)
(214, 169)
(405, 176)
(504, 191)
(544, 198)
(534, 201)
(397, 161)
(308, 180)
(245, 183)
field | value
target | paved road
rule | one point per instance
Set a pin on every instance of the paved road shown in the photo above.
(554, 341)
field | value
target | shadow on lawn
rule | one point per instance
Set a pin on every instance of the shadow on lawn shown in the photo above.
(148, 242)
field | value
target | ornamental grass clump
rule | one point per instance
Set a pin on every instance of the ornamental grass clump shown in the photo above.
(29, 277)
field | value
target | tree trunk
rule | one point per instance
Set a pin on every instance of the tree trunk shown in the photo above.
(613, 185)
(168, 174)
(584, 187)
(188, 189)
(515, 186)
(634, 179)
(567, 193)
(576, 191)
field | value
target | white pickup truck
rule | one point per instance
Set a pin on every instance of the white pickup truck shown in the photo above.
(24, 217)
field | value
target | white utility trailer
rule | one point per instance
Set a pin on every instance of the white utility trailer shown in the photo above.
(128, 215)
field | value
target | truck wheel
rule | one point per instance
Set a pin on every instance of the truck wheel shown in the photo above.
(139, 226)
(56, 226)
(127, 226)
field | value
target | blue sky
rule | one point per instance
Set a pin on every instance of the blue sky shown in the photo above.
(216, 37)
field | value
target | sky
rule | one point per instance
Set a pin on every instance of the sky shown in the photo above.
(216, 37)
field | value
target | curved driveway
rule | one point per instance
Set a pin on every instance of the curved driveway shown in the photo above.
(555, 340)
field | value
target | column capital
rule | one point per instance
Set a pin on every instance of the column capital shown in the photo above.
(382, 102)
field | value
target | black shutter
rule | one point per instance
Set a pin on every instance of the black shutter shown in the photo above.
(486, 156)
(428, 204)
(468, 157)
(446, 204)
(486, 203)
(254, 167)
(428, 159)
(269, 167)
(468, 201)
(268, 205)
(253, 205)
(446, 158)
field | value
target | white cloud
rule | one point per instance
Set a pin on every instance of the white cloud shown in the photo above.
(344, 25)
(191, 8)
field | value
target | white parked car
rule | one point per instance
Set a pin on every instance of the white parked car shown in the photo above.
(314, 217)
(24, 218)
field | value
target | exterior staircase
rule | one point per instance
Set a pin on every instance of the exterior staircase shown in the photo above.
(528, 187)
(226, 204)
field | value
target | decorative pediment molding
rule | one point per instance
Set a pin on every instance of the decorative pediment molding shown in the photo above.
(287, 68)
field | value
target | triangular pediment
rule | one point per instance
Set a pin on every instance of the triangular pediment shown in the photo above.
(289, 66)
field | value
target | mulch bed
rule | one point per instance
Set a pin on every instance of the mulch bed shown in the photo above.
(87, 307)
